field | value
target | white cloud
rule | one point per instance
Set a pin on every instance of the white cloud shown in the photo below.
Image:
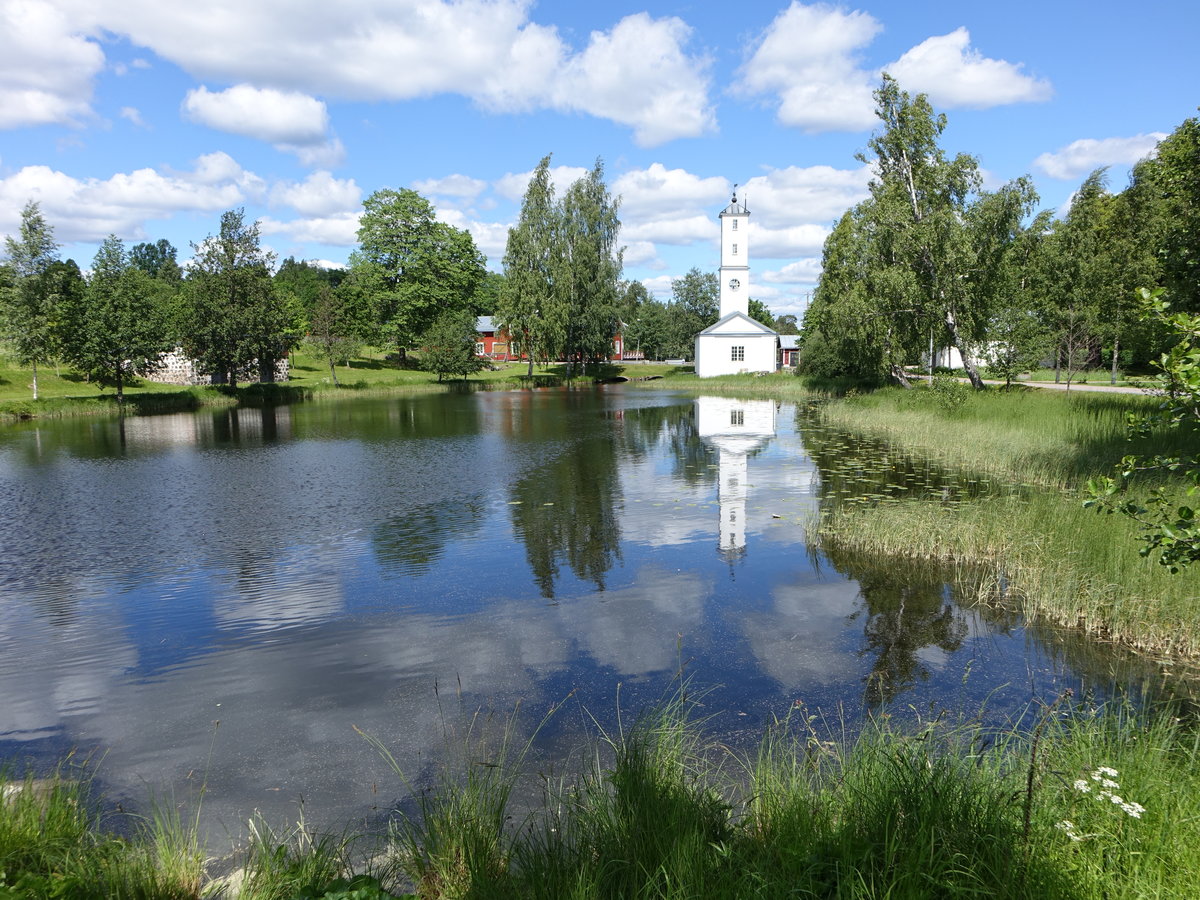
(802, 271)
(787, 242)
(319, 195)
(642, 253)
(1082, 156)
(659, 193)
(460, 187)
(808, 58)
(490, 237)
(953, 74)
(277, 117)
(89, 209)
(637, 74)
(680, 231)
(133, 115)
(513, 185)
(659, 286)
(46, 66)
(335, 230)
(812, 194)
(292, 121)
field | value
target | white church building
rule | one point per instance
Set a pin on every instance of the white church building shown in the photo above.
(735, 344)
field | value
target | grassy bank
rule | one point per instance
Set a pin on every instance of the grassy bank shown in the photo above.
(1063, 564)
(64, 394)
(1070, 803)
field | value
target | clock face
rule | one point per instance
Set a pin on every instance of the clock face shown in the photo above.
(734, 284)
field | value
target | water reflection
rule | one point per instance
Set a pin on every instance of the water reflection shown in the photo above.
(737, 429)
(297, 572)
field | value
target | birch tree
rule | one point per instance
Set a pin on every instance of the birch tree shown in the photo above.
(28, 312)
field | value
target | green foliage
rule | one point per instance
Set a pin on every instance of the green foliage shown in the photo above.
(695, 304)
(924, 256)
(1169, 528)
(157, 260)
(117, 327)
(331, 328)
(231, 315)
(760, 313)
(529, 306)
(589, 269)
(29, 303)
(562, 296)
(410, 268)
(448, 347)
(1171, 179)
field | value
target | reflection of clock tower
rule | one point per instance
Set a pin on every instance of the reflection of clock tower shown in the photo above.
(735, 258)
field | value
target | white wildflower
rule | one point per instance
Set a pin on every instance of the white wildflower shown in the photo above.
(1105, 770)
(1108, 783)
(1133, 809)
(1082, 786)
(1068, 828)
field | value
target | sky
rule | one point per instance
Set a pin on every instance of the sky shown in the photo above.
(148, 120)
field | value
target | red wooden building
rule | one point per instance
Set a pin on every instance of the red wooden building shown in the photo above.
(493, 343)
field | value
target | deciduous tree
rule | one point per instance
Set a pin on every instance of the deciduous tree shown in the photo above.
(28, 312)
(232, 316)
(116, 329)
(411, 267)
(530, 307)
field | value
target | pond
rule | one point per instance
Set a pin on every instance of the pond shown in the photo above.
(229, 597)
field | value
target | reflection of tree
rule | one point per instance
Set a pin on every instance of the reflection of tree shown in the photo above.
(692, 461)
(566, 509)
(907, 608)
(415, 539)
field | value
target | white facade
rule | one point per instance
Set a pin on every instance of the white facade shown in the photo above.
(735, 428)
(736, 344)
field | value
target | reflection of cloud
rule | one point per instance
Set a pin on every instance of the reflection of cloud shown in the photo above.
(634, 629)
(288, 705)
(799, 641)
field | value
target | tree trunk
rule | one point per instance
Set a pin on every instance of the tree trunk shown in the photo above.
(963, 351)
(901, 376)
(1112, 379)
(35, 379)
(333, 372)
(120, 391)
(266, 371)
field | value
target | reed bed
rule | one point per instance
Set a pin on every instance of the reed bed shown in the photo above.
(1062, 564)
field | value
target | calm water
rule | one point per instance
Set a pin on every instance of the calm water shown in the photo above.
(395, 564)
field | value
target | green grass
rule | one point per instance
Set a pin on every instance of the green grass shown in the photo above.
(371, 374)
(942, 809)
(1062, 564)
(948, 807)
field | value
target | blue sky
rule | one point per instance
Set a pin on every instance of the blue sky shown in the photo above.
(148, 119)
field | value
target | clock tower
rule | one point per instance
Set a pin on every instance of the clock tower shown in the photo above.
(735, 258)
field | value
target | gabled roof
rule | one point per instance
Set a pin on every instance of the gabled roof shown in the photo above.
(750, 326)
(735, 209)
(484, 324)
(789, 342)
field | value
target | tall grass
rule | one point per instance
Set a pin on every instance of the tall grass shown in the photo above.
(946, 809)
(1063, 564)
(52, 845)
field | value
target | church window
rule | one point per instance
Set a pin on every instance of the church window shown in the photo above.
(734, 225)
(738, 354)
(737, 417)
(735, 249)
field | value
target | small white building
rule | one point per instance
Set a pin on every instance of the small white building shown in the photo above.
(735, 344)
